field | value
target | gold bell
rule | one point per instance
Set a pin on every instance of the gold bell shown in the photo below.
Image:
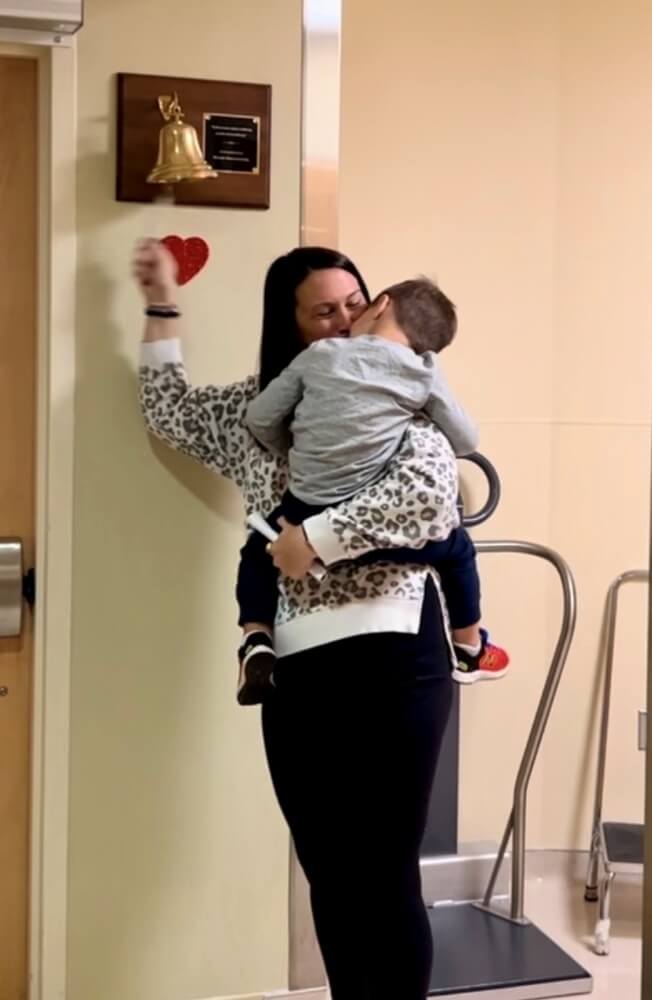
(179, 154)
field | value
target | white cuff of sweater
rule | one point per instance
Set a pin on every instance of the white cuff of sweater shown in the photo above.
(324, 540)
(156, 353)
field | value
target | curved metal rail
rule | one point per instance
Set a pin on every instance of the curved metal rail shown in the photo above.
(516, 823)
(493, 497)
(610, 611)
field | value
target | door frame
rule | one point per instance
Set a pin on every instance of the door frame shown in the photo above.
(646, 969)
(57, 259)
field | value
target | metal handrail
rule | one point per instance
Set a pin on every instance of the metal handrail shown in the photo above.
(611, 610)
(493, 497)
(517, 820)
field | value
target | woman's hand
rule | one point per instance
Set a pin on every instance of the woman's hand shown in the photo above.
(291, 553)
(155, 271)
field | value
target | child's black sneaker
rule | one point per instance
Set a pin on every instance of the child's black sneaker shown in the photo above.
(257, 662)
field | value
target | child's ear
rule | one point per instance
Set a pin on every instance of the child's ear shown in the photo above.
(380, 305)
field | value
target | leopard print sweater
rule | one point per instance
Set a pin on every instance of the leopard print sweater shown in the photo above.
(415, 502)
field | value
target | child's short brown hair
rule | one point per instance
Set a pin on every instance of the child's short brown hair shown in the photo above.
(426, 316)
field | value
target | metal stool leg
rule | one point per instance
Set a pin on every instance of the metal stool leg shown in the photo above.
(591, 889)
(603, 926)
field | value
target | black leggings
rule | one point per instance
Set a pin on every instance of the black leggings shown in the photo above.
(352, 735)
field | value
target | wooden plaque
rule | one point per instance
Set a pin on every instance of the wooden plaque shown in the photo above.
(233, 124)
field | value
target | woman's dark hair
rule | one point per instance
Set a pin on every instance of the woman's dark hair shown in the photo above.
(281, 341)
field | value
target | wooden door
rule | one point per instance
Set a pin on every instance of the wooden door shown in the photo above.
(18, 310)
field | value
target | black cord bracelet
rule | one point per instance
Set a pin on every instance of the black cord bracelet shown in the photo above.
(163, 312)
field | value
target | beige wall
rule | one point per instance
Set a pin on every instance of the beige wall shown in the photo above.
(502, 148)
(603, 384)
(178, 857)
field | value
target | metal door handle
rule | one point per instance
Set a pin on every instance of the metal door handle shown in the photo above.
(11, 587)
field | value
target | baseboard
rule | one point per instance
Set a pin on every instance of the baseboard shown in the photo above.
(318, 994)
(547, 862)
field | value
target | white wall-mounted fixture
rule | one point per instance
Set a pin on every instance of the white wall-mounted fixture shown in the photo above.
(41, 22)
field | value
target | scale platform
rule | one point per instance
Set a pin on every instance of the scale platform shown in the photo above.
(479, 954)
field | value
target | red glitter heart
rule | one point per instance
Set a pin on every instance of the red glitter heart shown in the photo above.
(190, 255)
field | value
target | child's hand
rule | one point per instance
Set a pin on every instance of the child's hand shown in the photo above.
(291, 553)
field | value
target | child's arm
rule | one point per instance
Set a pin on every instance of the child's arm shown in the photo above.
(268, 412)
(451, 418)
(414, 503)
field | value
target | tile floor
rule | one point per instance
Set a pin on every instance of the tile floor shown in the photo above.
(556, 904)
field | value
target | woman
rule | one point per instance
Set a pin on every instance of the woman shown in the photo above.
(353, 727)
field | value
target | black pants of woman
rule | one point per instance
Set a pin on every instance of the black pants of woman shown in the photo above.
(352, 735)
